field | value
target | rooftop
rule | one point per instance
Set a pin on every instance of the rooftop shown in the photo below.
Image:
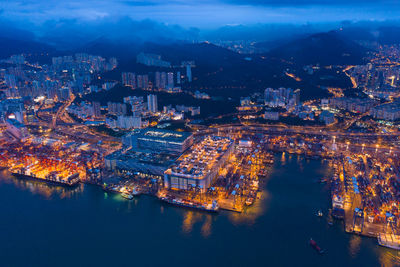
(157, 134)
(158, 159)
(15, 123)
(203, 156)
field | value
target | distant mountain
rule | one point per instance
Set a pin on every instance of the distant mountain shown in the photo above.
(389, 35)
(124, 50)
(8, 30)
(10, 47)
(358, 33)
(270, 45)
(324, 48)
(204, 54)
(218, 71)
(260, 32)
(207, 57)
(385, 35)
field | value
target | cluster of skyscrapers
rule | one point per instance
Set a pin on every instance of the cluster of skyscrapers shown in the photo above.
(66, 75)
(380, 78)
(161, 80)
(158, 80)
(282, 97)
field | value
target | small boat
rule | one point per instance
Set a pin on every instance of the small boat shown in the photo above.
(127, 196)
(249, 201)
(319, 213)
(314, 245)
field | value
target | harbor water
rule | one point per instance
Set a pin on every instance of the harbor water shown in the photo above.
(44, 225)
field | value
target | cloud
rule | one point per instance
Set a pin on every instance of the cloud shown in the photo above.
(299, 3)
(71, 33)
(201, 13)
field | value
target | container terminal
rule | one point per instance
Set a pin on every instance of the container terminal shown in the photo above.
(214, 172)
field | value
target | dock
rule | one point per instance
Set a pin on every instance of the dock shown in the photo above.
(229, 205)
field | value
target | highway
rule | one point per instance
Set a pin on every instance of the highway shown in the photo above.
(61, 110)
(304, 130)
(370, 143)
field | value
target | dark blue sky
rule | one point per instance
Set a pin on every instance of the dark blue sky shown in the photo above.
(202, 13)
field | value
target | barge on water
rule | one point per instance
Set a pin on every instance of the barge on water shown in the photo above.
(212, 207)
(127, 196)
(53, 179)
(315, 246)
(389, 240)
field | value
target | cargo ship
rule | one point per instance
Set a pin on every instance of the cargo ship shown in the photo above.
(212, 207)
(337, 207)
(337, 197)
(52, 178)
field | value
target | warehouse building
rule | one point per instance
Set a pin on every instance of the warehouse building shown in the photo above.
(159, 140)
(144, 164)
(198, 167)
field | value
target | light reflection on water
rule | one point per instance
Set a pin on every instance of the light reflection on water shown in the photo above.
(250, 214)
(300, 162)
(356, 244)
(248, 217)
(189, 219)
(260, 206)
(283, 159)
(389, 257)
(206, 228)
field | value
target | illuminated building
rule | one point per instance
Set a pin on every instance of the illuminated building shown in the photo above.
(157, 140)
(129, 79)
(152, 105)
(137, 162)
(17, 129)
(189, 72)
(170, 80)
(198, 167)
(152, 60)
(390, 111)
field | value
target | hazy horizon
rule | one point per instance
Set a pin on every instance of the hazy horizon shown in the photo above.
(68, 23)
(192, 13)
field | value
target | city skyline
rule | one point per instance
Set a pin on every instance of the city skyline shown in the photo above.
(192, 133)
